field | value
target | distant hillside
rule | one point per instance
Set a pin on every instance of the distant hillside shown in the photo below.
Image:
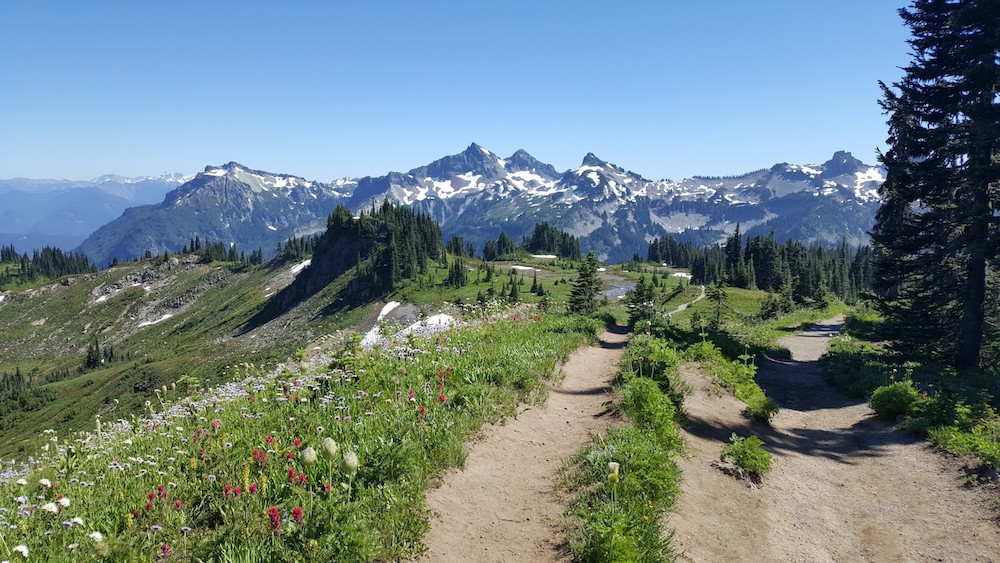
(38, 213)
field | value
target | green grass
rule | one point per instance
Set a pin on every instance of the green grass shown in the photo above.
(199, 341)
(626, 481)
(404, 411)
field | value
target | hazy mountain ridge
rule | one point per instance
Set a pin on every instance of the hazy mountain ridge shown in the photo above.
(476, 193)
(35, 213)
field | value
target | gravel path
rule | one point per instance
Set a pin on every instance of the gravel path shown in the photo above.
(844, 487)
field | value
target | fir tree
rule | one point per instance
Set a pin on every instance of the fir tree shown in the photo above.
(934, 232)
(583, 296)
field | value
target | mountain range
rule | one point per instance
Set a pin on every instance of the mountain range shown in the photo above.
(62, 213)
(475, 194)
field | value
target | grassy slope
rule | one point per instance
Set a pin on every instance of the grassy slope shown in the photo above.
(45, 332)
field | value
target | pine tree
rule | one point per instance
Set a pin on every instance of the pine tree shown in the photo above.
(934, 232)
(583, 296)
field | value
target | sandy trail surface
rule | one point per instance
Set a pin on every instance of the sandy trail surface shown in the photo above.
(503, 507)
(845, 486)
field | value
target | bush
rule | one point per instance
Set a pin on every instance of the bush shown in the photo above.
(749, 454)
(894, 400)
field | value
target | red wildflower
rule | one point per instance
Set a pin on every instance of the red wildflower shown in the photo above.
(289, 455)
(215, 425)
(275, 518)
(151, 496)
(328, 487)
(149, 506)
(237, 490)
(161, 491)
(441, 397)
(298, 442)
(253, 488)
(302, 478)
(135, 513)
(297, 514)
(177, 504)
(291, 475)
(269, 439)
(226, 490)
(166, 550)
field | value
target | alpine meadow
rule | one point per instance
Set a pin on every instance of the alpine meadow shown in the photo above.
(362, 342)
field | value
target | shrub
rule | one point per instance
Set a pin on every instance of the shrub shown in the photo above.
(894, 400)
(748, 453)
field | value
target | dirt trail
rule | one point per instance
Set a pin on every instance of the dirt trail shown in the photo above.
(502, 507)
(844, 487)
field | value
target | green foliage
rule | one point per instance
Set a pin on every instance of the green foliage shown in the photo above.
(639, 301)
(245, 435)
(749, 454)
(737, 375)
(547, 239)
(652, 410)
(955, 411)
(583, 297)
(981, 441)
(934, 230)
(894, 400)
(656, 359)
(799, 273)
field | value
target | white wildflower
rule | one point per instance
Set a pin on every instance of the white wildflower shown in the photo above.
(96, 536)
(328, 448)
(350, 463)
(50, 507)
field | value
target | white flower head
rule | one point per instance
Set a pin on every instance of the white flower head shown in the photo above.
(308, 456)
(96, 536)
(45, 483)
(22, 549)
(64, 502)
(77, 520)
(22, 481)
(328, 448)
(50, 507)
(350, 463)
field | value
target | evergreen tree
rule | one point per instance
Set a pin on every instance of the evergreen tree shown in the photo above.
(935, 233)
(583, 296)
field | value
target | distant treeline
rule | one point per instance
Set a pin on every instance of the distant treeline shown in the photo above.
(47, 263)
(804, 272)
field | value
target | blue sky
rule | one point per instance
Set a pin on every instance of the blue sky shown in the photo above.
(668, 89)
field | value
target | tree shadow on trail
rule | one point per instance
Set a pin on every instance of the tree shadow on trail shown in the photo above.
(615, 329)
(865, 438)
(798, 385)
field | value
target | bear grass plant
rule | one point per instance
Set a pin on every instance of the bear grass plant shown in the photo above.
(627, 480)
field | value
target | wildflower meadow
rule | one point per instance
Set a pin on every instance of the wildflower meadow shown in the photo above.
(319, 459)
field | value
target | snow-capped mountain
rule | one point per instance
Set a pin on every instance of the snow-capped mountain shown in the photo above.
(230, 203)
(616, 211)
(476, 193)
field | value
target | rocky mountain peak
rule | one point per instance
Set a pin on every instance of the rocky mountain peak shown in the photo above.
(521, 161)
(474, 160)
(841, 163)
(592, 160)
